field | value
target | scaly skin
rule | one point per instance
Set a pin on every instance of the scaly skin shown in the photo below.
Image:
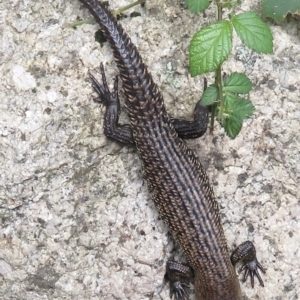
(177, 181)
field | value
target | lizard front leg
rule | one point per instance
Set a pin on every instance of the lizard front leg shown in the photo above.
(122, 132)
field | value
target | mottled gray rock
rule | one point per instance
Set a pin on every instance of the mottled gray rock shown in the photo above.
(76, 217)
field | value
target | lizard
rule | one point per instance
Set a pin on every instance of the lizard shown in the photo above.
(178, 183)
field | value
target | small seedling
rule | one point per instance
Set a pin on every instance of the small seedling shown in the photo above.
(211, 46)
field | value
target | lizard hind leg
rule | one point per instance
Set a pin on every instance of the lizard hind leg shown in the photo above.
(179, 275)
(121, 133)
(246, 253)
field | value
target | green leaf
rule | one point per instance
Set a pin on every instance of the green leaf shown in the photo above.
(210, 47)
(196, 6)
(253, 32)
(238, 83)
(210, 95)
(240, 107)
(232, 126)
(235, 111)
(278, 9)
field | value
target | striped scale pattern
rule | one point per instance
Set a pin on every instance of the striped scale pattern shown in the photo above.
(177, 181)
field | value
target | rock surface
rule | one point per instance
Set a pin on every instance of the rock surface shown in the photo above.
(76, 218)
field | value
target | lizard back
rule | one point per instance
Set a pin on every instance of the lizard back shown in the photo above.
(177, 181)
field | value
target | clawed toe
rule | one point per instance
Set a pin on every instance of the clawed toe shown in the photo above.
(180, 291)
(251, 268)
(104, 95)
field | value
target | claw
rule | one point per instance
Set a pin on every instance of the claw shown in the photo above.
(247, 254)
(179, 290)
(179, 276)
(251, 268)
(112, 128)
(104, 94)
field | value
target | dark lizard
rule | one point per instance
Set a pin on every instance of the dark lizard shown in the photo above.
(176, 179)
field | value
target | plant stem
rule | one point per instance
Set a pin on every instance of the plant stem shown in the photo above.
(81, 22)
(218, 80)
(121, 9)
(115, 13)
